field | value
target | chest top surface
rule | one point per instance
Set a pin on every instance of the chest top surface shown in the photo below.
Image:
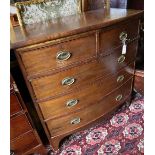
(70, 25)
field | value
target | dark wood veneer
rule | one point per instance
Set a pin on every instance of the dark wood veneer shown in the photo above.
(91, 20)
(93, 39)
(107, 105)
(86, 96)
(109, 39)
(50, 86)
(63, 125)
(44, 59)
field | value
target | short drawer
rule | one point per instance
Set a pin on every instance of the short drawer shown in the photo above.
(110, 39)
(15, 106)
(51, 58)
(24, 143)
(86, 116)
(19, 125)
(84, 97)
(51, 86)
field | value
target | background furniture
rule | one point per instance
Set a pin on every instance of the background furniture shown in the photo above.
(30, 12)
(50, 10)
(14, 20)
(95, 4)
(139, 81)
(24, 138)
(138, 4)
(119, 4)
(74, 68)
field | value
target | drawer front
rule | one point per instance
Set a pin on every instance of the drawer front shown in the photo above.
(19, 125)
(24, 143)
(50, 86)
(15, 106)
(60, 55)
(111, 38)
(83, 117)
(84, 97)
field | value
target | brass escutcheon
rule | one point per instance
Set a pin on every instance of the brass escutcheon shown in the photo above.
(68, 81)
(120, 78)
(119, 97)
(72, 103)
(63, 55)
(75, 121)
(121, 59)
(123, 36)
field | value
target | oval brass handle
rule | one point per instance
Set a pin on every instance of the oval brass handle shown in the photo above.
(119, 97)
(68, 81)
(120, 78)
(75, 121)
(72, 103)
(121, 59)
(123, 36)
(63, 55)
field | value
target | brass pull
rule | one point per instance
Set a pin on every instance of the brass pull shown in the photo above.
(121, 59)
(123, 36)
(75, 121)
(119, 97)
(72, 103)
(63, 55)
(68, 81)
(120, 78)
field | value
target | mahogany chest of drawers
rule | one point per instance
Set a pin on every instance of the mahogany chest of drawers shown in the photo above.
(78, 69)
(23, 137)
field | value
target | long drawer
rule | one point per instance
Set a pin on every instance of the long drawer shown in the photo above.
(85, 97)
(83, 117)
(53, 85)
(110, 38)
(62, 54)
(19, 125)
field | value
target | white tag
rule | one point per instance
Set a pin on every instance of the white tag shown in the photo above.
(124, 49)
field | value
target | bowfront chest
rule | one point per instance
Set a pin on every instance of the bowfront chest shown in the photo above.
(78, 69)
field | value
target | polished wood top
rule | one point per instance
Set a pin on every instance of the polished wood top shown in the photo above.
(66, 26)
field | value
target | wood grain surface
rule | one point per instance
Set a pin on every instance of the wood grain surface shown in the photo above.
(71, 25)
